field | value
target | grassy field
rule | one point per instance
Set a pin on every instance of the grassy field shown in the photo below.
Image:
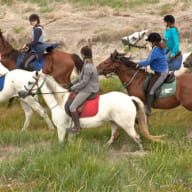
(33, 161)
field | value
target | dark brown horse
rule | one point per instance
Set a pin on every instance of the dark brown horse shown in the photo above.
(134, 78)
(57, 63)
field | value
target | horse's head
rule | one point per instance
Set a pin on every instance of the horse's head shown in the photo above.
(113, 63)
(32, 88)
(5, 46)
(188, 61)
(134, 38)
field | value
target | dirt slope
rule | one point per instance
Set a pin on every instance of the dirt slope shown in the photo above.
(104, 26)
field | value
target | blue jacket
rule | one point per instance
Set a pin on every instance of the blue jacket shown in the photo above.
(156, 60)
(171, 36)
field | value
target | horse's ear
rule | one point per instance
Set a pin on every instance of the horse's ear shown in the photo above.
(1, 33)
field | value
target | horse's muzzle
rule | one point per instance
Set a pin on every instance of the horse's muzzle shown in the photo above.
(23, 94)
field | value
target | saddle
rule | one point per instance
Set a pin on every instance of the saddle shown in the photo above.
(166, 89)
(36, 64)
(87, 109)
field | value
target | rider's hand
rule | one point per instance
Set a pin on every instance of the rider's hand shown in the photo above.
(25, 47)
(69, 85)
(137, 66)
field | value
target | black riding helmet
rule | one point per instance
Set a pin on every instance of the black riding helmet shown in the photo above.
(154, 37)
(34, 17)
(169, 19)
(86, 52)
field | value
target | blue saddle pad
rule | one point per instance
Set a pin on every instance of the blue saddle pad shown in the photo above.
(38, 64)
(2, 80)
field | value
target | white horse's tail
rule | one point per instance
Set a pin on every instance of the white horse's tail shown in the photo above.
(142, 120)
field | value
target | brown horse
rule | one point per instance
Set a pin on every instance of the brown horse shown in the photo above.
(134, 78)
(57, 63)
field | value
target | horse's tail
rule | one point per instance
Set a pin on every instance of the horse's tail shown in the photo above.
(142, 120)
(78, 62)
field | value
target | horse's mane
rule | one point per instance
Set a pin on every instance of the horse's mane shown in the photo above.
(8, 49)
(127, 62)
(54, 87)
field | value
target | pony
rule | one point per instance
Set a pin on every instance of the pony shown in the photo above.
(58, 64)
(13, 82)
(133, 78)
(116, 107)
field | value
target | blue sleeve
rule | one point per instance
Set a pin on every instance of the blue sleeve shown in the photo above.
(150, 58)
(175, 38)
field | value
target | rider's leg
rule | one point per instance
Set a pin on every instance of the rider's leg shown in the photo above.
(29, 59)
(79, 99)
(157, 80)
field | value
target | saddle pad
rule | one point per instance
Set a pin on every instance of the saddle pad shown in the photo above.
(90, 107)
(167, 89)
(2, 80)
(38, 64)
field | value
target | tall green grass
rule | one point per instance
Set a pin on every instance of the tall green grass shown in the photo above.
(35, 161)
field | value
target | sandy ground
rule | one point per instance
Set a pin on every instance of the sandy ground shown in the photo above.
(73, 27)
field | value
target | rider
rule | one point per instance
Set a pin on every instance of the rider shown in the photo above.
(37, 46)
(158, 63)
(85, 85)
(171, 37)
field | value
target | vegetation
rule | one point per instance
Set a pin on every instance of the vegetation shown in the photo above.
(34, 161)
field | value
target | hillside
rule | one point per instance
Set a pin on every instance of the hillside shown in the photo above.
(73, 24)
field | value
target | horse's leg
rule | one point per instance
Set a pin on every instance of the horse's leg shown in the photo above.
(114, 128)
(61, 132)
(38, 108)
(10, 102)
(128, 126)
(28, 112)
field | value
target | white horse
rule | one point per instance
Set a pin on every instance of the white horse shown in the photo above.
(14, 81)
(134, 38)
(116, 107)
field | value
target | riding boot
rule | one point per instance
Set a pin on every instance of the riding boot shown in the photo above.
(76, 128)
(150, 99)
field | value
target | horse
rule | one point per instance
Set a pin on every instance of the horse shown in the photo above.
(116, 107)
(58, 64)
(133, 78)
(13, 82)
(134, 38)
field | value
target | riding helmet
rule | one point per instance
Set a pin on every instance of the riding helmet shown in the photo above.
(86, 52)
(34, 17)
(169, 19)
(154, 37)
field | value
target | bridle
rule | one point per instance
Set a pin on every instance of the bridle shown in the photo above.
(38, 89)
(115, 70)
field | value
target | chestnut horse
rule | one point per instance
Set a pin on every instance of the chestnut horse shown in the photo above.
(58, 64)
(134, 78)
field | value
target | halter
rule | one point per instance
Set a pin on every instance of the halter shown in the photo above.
(38, 90)
(114, 70)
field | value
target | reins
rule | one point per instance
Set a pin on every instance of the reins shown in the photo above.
(38, 90)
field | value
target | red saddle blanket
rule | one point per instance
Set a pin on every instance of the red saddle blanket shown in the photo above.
(87, 109)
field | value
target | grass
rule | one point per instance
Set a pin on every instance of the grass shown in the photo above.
(34, 161)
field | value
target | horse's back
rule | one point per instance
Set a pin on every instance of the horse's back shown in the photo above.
(118, 101)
